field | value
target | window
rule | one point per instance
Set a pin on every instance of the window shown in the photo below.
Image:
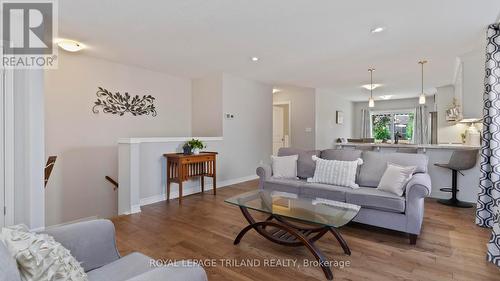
(385, 125)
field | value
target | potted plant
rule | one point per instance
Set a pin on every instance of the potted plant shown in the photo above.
(193, 146)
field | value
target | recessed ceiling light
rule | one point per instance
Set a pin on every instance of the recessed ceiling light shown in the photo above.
(70, 45)
(386, 97)
(255, 59)
(377, 29)
(368, 86)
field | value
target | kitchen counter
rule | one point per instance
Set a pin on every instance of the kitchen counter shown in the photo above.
(418, 146)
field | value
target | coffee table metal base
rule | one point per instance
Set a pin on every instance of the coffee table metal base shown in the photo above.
(281, 231)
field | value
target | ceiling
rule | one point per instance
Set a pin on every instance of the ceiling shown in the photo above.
(320, 44)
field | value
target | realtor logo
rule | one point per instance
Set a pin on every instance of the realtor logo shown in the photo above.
(28, 30)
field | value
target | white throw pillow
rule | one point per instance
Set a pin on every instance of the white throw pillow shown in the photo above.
(395, 178)
(285, 166)
(341, 173)
(39, 257)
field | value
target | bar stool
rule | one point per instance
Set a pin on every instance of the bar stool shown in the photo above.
(460, 160)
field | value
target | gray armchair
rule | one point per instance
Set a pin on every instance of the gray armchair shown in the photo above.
(93, 244)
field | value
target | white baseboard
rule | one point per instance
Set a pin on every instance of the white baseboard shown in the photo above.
(188, 189)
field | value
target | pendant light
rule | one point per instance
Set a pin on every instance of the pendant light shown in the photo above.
(371, 101)
(421, 98)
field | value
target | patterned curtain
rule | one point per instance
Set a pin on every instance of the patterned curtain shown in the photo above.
(420, 134)
(365, 124)
(488, 204)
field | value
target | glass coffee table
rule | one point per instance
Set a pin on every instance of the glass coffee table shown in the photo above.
(295, 221)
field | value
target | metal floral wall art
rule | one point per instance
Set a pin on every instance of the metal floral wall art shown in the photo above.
(120, 104)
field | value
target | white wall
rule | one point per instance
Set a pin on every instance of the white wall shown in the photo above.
(207, 106)
(448, 132)
(386, 105)
(86, 143)
(327, 130)
(303, 110)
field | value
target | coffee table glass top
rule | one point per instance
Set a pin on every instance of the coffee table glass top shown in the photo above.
(289, 205)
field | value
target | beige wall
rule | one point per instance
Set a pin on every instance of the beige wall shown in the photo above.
(327, 129)
(207, 106)
(473, 83)
(86, 143)
(248, 136)
(302, 114)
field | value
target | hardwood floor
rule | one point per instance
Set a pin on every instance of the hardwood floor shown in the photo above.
(451, 246)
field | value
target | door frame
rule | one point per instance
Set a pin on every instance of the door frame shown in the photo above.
(7, 144)
(289, 104)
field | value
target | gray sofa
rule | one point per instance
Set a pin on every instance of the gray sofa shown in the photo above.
(92, 243)
(378, 208)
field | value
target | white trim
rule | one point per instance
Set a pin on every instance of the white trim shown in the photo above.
(392, 113)
(188, 190)
(289, 103)
(9, 146)
(166, 139)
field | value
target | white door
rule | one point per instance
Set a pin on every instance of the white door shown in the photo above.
(278, 136)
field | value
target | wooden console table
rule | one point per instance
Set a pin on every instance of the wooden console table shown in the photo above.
(181, 167)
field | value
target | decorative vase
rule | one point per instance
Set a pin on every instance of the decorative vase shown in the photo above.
(195, 151)
(186, 150)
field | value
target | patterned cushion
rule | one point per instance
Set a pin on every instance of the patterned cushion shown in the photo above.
(305, 165)
(341, 173)
(40, 257)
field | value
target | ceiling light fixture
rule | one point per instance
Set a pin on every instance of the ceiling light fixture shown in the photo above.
(421, 98)
(371, 102)
(254, 59)
(70, 45)
(377, 29)
(371, 86)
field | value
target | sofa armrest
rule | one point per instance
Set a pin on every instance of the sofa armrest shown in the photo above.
(419, 186)
(92, 243)
(417, 189)
(264, 171)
